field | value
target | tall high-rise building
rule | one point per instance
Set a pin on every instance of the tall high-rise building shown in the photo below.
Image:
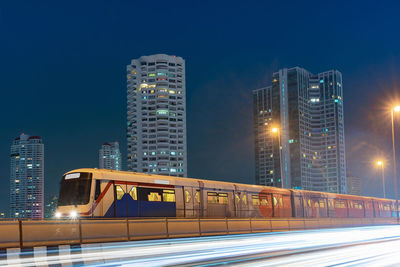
(156, 130)
(110, 156)
(308, 111)
(27, 177)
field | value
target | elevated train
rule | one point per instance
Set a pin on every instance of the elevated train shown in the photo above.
(98, 193)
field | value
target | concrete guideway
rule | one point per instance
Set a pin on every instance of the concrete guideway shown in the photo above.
(28, 234)
(360, 245)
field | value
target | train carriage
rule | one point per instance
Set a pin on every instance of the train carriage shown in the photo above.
(95, 193)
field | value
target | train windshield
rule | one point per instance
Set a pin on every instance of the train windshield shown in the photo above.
(75, 189)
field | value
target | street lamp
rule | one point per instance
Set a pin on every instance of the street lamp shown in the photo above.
(380, 164)
(395, 109)
(276, 130)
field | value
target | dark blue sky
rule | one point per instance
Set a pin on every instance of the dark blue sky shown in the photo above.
(62, 74)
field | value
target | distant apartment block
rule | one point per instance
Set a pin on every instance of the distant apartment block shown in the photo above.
(27, 177)
(353, 185)
(110, 156)
(308, 111)
(156, 133)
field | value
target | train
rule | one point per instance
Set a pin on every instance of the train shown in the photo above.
(101, 193)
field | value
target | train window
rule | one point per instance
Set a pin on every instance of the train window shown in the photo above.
(319, 203)
(197, 196)
(275, 201)
(119, 192)
(340, 204)
(281, 201)
(244, 199)
(255, 200)
(223, 198)
(154, 196)
(386, 207)
(97, 190)
(264, 201)
(212, 198)
(188, 197)
(357, 205)
(309, 203)
(133, 193)
(237, 199)
(168, 195)
(330, 203)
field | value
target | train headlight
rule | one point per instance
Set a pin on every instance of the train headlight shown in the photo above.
(58, 215)
(73, 214)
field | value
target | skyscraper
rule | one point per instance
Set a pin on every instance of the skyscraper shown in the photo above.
(156, 130)
(110, 156)
(308, 111)
(27, 177)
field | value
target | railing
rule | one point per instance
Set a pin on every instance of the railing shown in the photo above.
(29, 233)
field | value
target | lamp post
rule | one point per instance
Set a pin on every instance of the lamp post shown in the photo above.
(380, 164)
(395, 109)
(278, 132)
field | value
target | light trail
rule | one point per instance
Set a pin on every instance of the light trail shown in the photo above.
(376, 245)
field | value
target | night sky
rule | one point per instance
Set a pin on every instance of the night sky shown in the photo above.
(62, 75)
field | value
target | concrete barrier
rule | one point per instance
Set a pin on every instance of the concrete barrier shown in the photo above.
(9, 234)
(296, 224)
(37, 233)
(239, 226)
(259, 225)
(278, 225)
(213, 226)
(147, 229)
(183, 227)
(104, 230)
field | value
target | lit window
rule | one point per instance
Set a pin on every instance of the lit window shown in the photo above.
(197, 196)
(244, 199)
(154, 196)
(187, 196)
(120, 192)
(168, 195)
(133, 193)
(212, 197)
(256, 200)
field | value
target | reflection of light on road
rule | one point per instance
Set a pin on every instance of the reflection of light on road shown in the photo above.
(237, 248)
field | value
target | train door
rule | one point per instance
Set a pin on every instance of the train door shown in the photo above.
(197, 212)
(199, 200)
(188, 200)
(133, 204)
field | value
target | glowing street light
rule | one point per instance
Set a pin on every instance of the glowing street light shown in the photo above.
(395, 109)
(380, 164)
(276, 130)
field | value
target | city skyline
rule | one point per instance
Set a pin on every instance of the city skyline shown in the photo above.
(77, 74)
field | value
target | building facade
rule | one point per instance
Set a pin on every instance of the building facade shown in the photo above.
(353, 185)
(110, 156)
(308, 111)
(156, 130)
(27, 177)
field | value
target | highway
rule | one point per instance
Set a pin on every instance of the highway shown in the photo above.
(376, 245)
